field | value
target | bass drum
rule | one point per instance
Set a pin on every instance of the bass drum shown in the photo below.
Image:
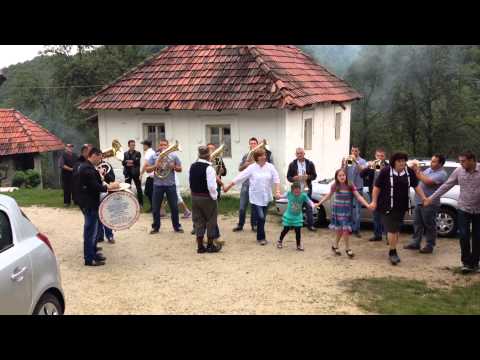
(119, 210)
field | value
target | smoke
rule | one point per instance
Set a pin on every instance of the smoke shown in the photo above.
(336, 58)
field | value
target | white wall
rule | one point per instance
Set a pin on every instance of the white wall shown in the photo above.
(327, 152)
(189, 128)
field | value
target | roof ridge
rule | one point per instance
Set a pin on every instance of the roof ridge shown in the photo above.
(270, 73)
(128, 72)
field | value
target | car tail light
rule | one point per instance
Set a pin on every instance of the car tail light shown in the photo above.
(45, 240)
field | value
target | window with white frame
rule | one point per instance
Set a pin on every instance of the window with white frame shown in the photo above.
(338, 125)
(218, 135)
(307, 133)
(154, 133)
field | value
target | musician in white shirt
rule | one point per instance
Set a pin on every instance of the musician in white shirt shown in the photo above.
(262, 176)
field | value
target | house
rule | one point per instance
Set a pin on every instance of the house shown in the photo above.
(21, 142)
(226, 94)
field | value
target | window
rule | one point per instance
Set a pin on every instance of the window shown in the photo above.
(338, 125)
(154, 133)
(220, 134)
(307, 134)
(6, 240)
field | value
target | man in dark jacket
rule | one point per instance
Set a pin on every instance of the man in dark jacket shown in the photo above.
(66, 163)
(82, 159)
(131, 169)
(303, 171)
(90, 187)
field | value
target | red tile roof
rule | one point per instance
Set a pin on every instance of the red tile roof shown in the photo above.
(20, 135)
(223, 77)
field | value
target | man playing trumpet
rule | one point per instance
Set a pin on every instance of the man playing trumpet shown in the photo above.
(354, 165)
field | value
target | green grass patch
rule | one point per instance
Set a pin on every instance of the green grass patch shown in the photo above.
(398, 296)
(31, 197)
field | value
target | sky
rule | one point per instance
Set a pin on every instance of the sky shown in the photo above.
(13, 54)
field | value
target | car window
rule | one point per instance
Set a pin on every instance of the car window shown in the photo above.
(6, 239)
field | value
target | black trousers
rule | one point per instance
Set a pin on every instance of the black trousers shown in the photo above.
(67, 187)
(298, 233)
(149, 189)
(138, 185)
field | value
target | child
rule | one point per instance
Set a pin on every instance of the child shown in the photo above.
(293, 216)
(341, 220)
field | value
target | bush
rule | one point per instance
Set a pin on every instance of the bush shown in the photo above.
(19, 179)
(32, 178)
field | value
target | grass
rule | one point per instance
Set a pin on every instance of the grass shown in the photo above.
(398, 296)
(54, 198)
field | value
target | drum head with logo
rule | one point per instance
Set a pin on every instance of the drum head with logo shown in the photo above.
(119, 210)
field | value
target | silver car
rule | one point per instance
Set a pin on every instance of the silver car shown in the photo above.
(29, 275)
(446, 218)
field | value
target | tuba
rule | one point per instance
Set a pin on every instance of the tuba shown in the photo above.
(216, 159)
(164, 170)
(350, 161)
(115, 151)
(262, 145)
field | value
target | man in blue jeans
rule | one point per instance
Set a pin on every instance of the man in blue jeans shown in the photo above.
(165, 186)
(468, 177)
(89, 188)
(425, 216)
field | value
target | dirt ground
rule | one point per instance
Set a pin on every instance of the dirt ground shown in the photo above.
(163, 274)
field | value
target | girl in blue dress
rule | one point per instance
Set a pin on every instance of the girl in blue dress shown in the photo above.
(342, 207)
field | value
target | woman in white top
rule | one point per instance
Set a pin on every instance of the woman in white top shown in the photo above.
(262, 176)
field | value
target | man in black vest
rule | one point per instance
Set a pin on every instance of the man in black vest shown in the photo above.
(203, 185)
(67, 161)
(131, 169)
(90, 187)
(303, 171)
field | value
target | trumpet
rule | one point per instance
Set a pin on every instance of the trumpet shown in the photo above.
(164, 170)
(262, 145)
(377, 165)
(216, 159)
(115, 151)
(350, 160)
(413, 163)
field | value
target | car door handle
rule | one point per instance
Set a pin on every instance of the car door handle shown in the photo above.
(19, 274)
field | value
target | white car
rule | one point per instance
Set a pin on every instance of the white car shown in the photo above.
(29, 275)
(446, 218)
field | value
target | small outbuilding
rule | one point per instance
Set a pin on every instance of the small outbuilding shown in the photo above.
(21, 142)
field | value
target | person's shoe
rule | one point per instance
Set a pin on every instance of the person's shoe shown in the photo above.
(411, 247)
(466, 269)
(263, 242)
(374, 238)
(254, 228)
(394, 258)
(100, 240)
(100, 257)
(111, 241)
(154, 231)
(311, 228)
(94, 263)
(187, 215)
(350, 253)
(201, 250)
(179, 230)
(336, 251)
(213, 248)
(279, 244)
(193, 232)
(237, 228)
(426, 250)
(300, 248)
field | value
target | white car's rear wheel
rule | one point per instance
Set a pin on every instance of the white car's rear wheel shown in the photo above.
(446, 222)
(48, 305)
